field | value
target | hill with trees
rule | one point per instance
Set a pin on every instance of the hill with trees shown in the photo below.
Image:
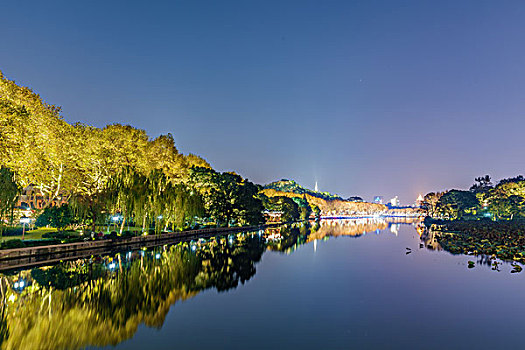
(291, 186)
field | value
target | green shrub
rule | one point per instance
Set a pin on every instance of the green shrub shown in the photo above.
(13, 243)
(127, 234)
(61, 235)
(13, 231)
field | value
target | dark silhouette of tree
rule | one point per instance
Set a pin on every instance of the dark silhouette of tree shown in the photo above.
(483, 184)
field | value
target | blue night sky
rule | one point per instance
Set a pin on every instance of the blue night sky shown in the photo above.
(366, 97)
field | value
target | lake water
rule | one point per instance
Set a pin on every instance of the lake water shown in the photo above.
(343, 284)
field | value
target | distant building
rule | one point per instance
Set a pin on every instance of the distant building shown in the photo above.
(31, 199)
(394, 201)
(272, 216)
(378, 199)
(419, 200)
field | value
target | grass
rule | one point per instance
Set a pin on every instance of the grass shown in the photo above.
(32, 234)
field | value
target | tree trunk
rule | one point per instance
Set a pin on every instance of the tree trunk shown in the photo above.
(122, 225)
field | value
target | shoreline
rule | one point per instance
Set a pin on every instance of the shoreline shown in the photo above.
(31, 256)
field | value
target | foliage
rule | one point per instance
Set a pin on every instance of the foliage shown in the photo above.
(483, 184)
(287, 206)
(516, 179)
(13, 231)
(304, 207)
(227, 197)
(9, 191)
(510, 206)
(456, 204)
(107, 171)
(316, 210)
(61, 235)
(12, 243)
(58, 217)
(430, 202)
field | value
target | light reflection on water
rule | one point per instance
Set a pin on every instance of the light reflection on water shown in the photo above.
(327, 291)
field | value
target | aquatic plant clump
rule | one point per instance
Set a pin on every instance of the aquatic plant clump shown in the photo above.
(502, 239)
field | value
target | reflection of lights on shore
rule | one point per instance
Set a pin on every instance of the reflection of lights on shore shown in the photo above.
(315, 245)
(19, 284)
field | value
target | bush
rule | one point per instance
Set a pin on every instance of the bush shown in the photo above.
(112, 235)
(58, 217)
(61, 235)
(12, 244)
(13, 231)
(39, 242)
(127, 234)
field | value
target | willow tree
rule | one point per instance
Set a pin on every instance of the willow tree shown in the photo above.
(9, 191)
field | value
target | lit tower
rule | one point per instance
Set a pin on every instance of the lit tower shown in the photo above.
(316, 188)
(419, 200)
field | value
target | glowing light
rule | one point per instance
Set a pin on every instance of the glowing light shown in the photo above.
(16, 285)
(157, 256)
(21, 284)
(112, 266)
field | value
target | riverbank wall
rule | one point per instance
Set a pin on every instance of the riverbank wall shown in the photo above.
(30, 256)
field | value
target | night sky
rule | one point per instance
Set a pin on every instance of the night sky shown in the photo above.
(366, 97)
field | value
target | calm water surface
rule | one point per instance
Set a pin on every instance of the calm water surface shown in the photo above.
(344, 284)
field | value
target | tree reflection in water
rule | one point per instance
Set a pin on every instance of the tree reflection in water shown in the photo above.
(101, 301)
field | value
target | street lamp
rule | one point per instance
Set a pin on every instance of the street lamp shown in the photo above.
(115, 219)
(24, 220)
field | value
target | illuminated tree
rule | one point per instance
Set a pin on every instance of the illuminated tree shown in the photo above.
(455, 204)
(9, 191)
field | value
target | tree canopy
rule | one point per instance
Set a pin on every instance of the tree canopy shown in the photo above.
(117, 169)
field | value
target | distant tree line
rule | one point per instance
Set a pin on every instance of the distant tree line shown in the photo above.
(505, 200)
